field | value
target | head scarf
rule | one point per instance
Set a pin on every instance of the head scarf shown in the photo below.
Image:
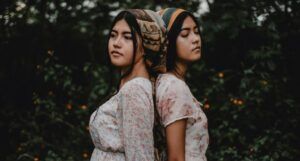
(169, 16)
(153, 33)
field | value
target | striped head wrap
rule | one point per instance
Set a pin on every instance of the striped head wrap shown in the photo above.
(169, 15)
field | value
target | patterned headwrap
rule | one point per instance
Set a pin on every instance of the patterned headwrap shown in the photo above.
(169, 16)
(153, 34)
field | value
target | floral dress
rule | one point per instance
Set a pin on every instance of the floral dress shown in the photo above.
(175, 102)
(121, 129)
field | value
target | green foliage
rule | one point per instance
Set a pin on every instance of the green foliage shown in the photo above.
(57, 126)
(55, 76)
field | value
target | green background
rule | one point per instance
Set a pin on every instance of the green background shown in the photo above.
(52, 76)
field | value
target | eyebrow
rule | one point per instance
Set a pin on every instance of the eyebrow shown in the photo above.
(124, 32)
(187, 28)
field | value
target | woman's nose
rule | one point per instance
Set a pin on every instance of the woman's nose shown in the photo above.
(117, 42)
(195, 38)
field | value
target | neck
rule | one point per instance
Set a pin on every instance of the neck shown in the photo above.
(180, 70)
(139, 70)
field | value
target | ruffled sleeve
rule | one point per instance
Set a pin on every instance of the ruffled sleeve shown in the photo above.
(137, 116)
(174, 101)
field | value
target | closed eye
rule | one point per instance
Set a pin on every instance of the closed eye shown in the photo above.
(184, 32)
(128, 36)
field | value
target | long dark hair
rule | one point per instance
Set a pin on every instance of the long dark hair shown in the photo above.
(172, 37)
(135, 30)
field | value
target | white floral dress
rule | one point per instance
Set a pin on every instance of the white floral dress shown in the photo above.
(175, 102)
(121, 129)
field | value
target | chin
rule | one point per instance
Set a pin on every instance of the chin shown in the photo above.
(120, 64)
(195, 57)
(117, 63)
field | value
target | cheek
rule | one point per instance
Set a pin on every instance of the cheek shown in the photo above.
(182, 47)
(128, 51)
(109, 45)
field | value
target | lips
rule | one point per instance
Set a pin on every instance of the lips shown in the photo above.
(116, 53)
(196, 48)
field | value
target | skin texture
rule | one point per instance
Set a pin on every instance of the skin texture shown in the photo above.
(188, 45)
(175, 134)
(120, 48)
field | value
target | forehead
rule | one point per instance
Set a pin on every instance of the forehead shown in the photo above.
(121, 26)
(188, 22)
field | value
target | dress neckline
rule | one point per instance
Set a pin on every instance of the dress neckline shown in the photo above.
(138, 77)
(175, 77)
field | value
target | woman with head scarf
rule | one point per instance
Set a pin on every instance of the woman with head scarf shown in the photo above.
(121, 128)
(181, 114)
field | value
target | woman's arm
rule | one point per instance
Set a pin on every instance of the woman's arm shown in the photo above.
(175, 105)
(175, 134)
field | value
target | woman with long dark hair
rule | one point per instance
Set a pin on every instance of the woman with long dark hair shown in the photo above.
(181, 114)
(121, 128)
